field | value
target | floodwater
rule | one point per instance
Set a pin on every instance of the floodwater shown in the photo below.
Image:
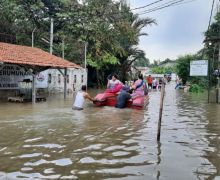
(49, 140)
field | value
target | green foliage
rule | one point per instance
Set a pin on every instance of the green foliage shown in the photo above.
(211, 48)
(142, 62)
(112, 33)
(198, 84)
(196, 88)
(109, 59)
(201, 81)
(183, 66)
(162, 70)
(101, 63)
(209, 52)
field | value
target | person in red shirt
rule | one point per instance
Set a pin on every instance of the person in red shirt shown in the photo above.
(149, 81)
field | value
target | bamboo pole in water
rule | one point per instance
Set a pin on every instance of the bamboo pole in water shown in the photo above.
(161, 111)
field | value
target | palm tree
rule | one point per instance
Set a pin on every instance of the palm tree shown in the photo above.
(130, 40)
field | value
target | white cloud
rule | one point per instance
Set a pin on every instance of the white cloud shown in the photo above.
(179, 31)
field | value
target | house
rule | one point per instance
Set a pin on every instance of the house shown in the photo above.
(21, 66)
(167, 63)
(142, 70)
(53, 80)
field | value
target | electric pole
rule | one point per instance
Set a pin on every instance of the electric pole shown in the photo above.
(51, 35)
(32, 39)
(63, 55)
(85, 51)
(218, 78)
(218, 65)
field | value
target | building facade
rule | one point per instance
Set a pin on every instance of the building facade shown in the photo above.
(55, 80)
(16, 81)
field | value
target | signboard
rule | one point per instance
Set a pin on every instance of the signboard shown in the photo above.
(42, 80)
(11, 75)
(199, 68)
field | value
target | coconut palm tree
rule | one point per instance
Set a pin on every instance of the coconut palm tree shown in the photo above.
(131, 31)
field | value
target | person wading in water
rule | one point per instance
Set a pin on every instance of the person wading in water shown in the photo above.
(80, 98)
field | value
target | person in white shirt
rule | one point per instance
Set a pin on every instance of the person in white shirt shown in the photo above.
(154, 83)
(80, 98)
(113, 81)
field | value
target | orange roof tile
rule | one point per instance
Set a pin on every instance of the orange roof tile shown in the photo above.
(17, 54)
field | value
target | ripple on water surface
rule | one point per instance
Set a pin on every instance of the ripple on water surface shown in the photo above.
(51, 141)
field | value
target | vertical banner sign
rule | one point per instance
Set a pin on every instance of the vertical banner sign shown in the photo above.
(199, 68)
(42, 79)
(11, 75)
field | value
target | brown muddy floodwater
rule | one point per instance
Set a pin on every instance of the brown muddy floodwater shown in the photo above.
(51, 141)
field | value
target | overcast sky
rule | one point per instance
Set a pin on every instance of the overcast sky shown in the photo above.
(179, 29)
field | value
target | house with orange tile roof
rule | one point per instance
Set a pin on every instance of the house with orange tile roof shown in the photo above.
(22, 62)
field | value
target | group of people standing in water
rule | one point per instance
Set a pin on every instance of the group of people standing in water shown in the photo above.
(138, 88)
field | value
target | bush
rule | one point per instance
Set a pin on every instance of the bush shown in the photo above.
(195, 88)
(162, 70)
(183, 66)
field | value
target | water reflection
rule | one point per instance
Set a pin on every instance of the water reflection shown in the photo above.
(51, 141)
(212, 137)
(193, 117)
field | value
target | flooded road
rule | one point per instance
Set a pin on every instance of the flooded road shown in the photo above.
(51, 141)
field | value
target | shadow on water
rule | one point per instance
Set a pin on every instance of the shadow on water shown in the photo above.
(49, 140)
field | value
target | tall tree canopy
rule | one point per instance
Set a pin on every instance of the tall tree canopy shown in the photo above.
(110, 30)
(211, 48)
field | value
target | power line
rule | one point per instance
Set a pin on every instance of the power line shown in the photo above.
(203, 51)
(186, 2)
(150, 4)
(158, 7)
(141, 7)
(165, 5)
(162, 5)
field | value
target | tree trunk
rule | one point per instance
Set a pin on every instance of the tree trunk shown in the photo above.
(123, 73)
(99, 79)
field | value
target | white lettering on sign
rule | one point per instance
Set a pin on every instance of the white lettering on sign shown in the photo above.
(11, 75)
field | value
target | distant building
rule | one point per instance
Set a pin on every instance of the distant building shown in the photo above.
(142, 70)
(167, 63)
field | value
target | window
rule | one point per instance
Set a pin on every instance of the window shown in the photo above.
(82, 79)
(59, 78)
(49, 78)
(75, 78)
(68, 79)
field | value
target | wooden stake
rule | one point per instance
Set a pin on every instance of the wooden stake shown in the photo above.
(161, 111)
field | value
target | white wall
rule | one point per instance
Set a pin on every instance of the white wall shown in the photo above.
(11, 77)
(77, 78)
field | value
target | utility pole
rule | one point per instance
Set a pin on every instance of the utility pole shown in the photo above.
(85, 54)
(32, 39)
(51, 35)
(218, 78)
(63, 55)
(33, 74)
(86, 63)
(65, 71)
(218, 65)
